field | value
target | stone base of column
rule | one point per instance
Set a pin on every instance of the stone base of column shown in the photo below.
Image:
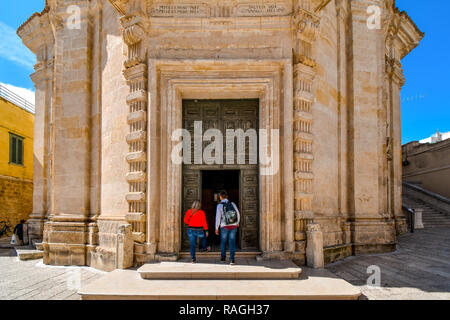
(336, 253)
(115, 249)
(401, 226)
(373, 236)
(65, 243)
(36, 229)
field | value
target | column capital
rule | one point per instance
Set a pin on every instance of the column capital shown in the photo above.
(306, 24)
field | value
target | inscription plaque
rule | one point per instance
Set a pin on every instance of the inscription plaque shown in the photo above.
(268, 9)
(179, 10)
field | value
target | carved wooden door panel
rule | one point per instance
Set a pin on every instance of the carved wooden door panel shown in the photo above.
(191, 192)
(223, 115)
(249, 230)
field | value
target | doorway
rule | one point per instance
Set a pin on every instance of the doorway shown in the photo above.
(240, 180)
(214, 181)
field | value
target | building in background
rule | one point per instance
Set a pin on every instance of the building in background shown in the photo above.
(426, 163)
(16, 157)
(437, 137)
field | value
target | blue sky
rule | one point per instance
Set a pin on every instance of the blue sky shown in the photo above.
(425, 96)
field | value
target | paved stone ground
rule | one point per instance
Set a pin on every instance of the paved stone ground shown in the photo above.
(418, 270)
(32, 280)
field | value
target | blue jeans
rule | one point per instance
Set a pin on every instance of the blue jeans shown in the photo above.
(230, 235)
(193, 235)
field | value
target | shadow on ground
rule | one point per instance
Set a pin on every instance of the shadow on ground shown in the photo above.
(420, 265)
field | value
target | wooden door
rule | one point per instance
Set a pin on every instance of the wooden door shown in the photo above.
(223, 115)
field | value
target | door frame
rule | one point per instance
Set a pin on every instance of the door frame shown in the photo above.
(271, 82)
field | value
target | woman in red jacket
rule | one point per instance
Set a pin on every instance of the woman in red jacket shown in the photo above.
(198, 228)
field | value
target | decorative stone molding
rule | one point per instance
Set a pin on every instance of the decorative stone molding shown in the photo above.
(306, 25)
(135, 72)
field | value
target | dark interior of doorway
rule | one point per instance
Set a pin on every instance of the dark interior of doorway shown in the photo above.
(213, 182)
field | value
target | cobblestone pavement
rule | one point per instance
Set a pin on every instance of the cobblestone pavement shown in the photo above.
(32, 280)
(418, 270)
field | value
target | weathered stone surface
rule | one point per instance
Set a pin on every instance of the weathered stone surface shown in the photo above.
(327, 82)
(314, 248)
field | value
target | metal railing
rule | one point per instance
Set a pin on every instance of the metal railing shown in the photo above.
(12, 97)
(412, 217)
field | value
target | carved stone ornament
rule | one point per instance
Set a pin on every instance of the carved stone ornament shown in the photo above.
(133, 29)
(307, 24)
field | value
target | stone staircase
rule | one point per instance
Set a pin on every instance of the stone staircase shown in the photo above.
(212, 280)
(431, 217)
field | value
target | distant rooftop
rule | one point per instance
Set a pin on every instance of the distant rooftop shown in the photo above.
(15, 99)
(437, 137)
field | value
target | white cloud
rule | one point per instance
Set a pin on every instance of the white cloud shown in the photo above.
(24, 93)
(13, 49)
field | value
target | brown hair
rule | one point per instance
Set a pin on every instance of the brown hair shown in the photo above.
(223, 194)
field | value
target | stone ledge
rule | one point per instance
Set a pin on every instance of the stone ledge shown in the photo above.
(29, 254)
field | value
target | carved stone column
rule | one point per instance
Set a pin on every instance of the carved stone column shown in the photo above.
(306, 25)
(135, 73)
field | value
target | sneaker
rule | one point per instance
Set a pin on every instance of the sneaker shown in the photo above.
(232, 262)
(223, 260)
(194, 261)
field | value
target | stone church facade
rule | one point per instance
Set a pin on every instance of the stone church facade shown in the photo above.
(114, 79)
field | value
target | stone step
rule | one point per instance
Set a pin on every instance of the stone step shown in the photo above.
(39, 246)
(217, 270)
(215, 254)
(436, 218)
(312, 284)
(24, 254)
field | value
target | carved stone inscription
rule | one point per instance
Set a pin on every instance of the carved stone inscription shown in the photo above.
(267, 9)
(180, 10)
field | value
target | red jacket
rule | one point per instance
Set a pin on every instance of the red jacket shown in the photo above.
(197, 220)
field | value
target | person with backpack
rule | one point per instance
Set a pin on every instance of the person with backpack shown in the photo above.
(198, 227)
(227, 219)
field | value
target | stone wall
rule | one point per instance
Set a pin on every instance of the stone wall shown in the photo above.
(428, 165)
(16, 200)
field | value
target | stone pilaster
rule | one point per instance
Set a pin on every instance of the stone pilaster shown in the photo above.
(38, 36)
(135, 73)
(67, 230)
(399, 38)
(306, 25)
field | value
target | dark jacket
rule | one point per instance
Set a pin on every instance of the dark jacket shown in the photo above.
(19, 231)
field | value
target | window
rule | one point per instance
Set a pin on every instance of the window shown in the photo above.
(15, 149)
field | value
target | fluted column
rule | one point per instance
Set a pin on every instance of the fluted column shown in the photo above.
(306, 27)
